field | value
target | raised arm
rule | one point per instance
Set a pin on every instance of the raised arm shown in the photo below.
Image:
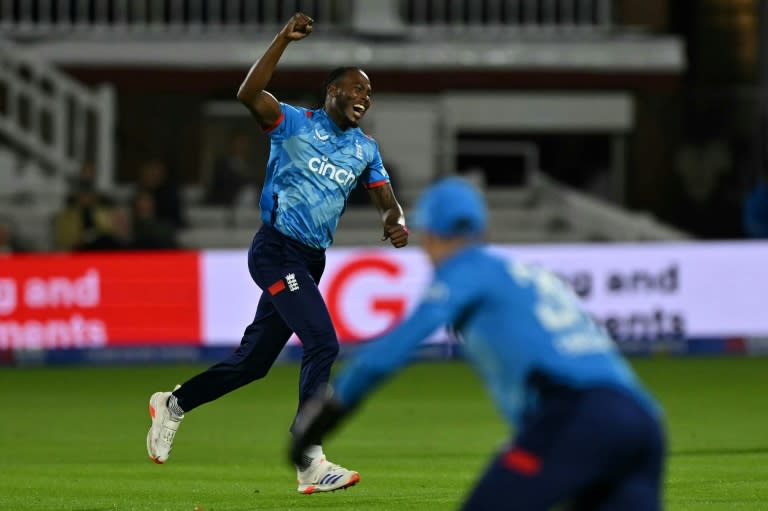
(392, 216)
(261, 103)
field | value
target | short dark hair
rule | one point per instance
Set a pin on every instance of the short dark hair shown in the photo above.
(333, 76)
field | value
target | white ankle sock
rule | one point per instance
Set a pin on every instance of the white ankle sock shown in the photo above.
(312, 452)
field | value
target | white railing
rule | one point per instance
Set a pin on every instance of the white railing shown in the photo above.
(44, 18)
(599, 219)
(50, 17)
(514, 15)
(58, 121)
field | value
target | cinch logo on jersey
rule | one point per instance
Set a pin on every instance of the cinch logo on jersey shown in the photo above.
(322, 167)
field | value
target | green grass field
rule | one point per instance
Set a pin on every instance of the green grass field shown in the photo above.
(74, 439)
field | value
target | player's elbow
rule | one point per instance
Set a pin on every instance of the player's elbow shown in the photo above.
(249, 96)
(244, 97)
(250, 102)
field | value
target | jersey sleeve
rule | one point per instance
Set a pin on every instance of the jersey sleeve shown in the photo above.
(291, 118)
(444, 302)
(375, 173)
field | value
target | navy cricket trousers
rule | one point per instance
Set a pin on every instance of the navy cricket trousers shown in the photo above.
(590, 450)
(288, 273)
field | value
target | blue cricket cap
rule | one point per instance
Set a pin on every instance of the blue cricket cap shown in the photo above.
(451, 207)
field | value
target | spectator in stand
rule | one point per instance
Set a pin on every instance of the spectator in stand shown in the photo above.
(149, 231)
(87, 177)
(85, 221)
(233, 175)
(155, 180)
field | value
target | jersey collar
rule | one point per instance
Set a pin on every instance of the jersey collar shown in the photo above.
(332, 126)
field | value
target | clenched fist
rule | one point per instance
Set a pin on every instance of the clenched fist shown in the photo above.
(397, 235)
(298, 27)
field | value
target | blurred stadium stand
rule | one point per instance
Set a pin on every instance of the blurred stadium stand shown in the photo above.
(435, 59)
(543, 211)
(42, 18)
(373, 33)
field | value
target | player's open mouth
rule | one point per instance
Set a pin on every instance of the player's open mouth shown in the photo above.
(358, 110)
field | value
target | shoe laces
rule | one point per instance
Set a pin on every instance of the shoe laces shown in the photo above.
(167, 435)
(333, 467)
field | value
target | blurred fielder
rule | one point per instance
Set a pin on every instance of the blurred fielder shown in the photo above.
(588, 436)
(316, 158)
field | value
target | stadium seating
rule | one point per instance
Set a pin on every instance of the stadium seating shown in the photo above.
(541, 212)
(72, 123)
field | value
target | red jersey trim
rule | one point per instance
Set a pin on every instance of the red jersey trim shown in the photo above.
(376, 184)
(277, 123)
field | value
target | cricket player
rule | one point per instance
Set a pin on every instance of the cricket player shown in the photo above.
(586, 433)
(316, 158)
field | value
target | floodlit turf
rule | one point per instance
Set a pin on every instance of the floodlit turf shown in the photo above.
(74, 439)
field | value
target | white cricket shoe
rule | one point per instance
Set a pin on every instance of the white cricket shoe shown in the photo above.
(163, 429)
(322, 475)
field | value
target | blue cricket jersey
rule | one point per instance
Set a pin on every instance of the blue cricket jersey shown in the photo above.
(313, 166)
(513, 318)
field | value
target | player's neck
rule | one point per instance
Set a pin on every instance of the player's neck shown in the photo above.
(440, 249)
(338, 118)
